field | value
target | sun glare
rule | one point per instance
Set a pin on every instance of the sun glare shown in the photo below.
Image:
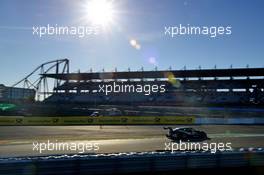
(100, 12)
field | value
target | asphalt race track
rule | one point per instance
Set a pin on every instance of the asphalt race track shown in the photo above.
(18, 140)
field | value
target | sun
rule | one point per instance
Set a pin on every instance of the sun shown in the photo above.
(100, 12)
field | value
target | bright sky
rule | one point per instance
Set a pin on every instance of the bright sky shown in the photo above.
(142, 20)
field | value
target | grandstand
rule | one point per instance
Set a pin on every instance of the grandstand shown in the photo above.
(234, 86)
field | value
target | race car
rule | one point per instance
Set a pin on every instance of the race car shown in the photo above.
(186, 134)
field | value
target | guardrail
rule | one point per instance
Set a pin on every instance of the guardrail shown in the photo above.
(130, 162)
(101, 120)
(230, 121)
(126, 120)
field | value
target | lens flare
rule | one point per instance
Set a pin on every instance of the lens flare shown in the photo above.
(152, 60)
(134, 43)
(171, 78)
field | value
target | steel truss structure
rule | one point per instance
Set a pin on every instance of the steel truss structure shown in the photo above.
(40, 83)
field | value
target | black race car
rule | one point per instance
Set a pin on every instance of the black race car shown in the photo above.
(186, 134)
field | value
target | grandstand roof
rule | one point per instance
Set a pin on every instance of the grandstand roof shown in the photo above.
(234, 72)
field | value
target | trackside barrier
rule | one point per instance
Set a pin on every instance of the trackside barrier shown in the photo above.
(131, 163)
(102, 120)
(126, 120)
(230, 121)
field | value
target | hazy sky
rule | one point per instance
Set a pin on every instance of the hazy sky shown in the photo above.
(143, 20)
